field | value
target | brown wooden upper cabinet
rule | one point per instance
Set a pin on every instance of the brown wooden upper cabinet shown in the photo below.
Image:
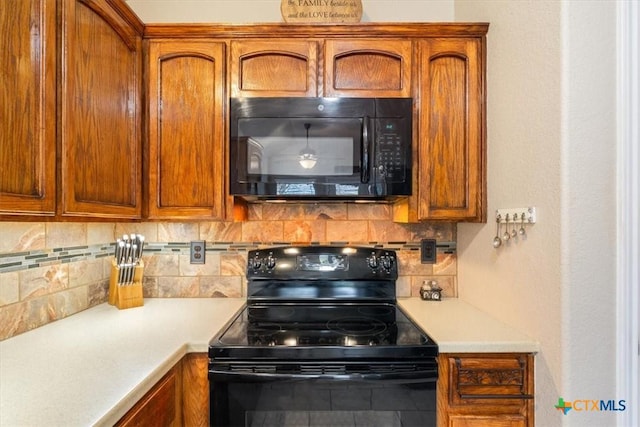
(99, 117)
(451, 142)
(274, 67)
(367, 67)
(186, 129)
(92, 119)
(28, 107)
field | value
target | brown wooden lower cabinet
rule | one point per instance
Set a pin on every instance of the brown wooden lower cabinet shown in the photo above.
(486, 390)
(180, 398)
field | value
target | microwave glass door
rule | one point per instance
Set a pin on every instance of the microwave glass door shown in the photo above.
(285, 148)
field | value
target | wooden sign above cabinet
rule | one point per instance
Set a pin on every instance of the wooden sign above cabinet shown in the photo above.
(321, 11)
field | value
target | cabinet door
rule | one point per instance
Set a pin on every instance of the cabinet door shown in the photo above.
(101, 173)
(486, 421)
(28, 107)
(161, 406)
(486, 390)
(452, 176)
(368, 68)
(274, 68)
(186, 133)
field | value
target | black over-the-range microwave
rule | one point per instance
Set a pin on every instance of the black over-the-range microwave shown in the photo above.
(320, 148)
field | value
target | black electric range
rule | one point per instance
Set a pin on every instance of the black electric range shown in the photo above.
(322, 318)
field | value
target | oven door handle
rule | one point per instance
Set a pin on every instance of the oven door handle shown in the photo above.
(388, 377)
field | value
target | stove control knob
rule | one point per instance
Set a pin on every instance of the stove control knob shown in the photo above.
(270, 262)
(387, 262)
(255, 263)
(373, 261)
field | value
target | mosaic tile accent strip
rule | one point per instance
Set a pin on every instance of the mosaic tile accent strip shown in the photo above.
(39, 258)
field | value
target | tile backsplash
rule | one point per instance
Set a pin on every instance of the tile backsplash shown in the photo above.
(49, 271)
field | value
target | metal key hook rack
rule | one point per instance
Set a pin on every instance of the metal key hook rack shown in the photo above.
(515, 222)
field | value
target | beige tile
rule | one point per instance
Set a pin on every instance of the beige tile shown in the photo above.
(160, 265)
(335, 211)
(255, 211)
(282, 212)
(409, 264)
(21, 236)
(86, 272)
(387, 231)
(22, 317)
(262, 231)
(177, 232)
(41, 281)
(221, 231)
(221, 287)
(433, 230)
(233, 263)
(211, 267)
(446, 264)
(12, 320)
(150, 287)
(148, 229)
(66, 303)
(403, 286)
(178, 287)
(65, 234)
(368, 211)
(97, 293)
(100, 233)
(347, 231)
(9, 290)
(305, 231)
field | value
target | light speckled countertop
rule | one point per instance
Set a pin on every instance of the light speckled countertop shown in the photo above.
(92, 367)
(458, 327)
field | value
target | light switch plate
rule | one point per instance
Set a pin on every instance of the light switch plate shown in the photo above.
(197, 253)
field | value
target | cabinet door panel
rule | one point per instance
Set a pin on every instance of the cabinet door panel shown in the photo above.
(487, 421)
(274, 68)
(186, 138)
(486, 390)
(451, 145)
(100, 123)
(368, 68)
(161, 406)
(27, 107)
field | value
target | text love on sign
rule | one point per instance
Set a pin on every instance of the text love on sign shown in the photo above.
(319, 11)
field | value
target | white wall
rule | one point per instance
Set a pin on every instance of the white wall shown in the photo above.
(551, 144)
(254, 11)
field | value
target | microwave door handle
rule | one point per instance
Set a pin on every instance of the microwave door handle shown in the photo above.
(364, 161)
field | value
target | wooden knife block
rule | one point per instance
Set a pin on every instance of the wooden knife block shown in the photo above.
(126, 296)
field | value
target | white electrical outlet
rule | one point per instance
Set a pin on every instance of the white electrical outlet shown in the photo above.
(517, 215)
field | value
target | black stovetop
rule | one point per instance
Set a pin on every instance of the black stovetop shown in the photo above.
(321, 331)
(321, 303)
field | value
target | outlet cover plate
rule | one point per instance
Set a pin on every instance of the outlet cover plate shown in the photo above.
(197, 252)
(428, 251)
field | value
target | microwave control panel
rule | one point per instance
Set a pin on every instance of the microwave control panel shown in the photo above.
(391, 151)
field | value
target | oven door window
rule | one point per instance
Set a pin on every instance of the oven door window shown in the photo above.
(283, 150)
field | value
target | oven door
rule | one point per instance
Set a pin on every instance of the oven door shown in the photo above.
(324, 394)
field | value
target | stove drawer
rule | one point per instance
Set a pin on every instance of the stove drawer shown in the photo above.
(309, 394)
